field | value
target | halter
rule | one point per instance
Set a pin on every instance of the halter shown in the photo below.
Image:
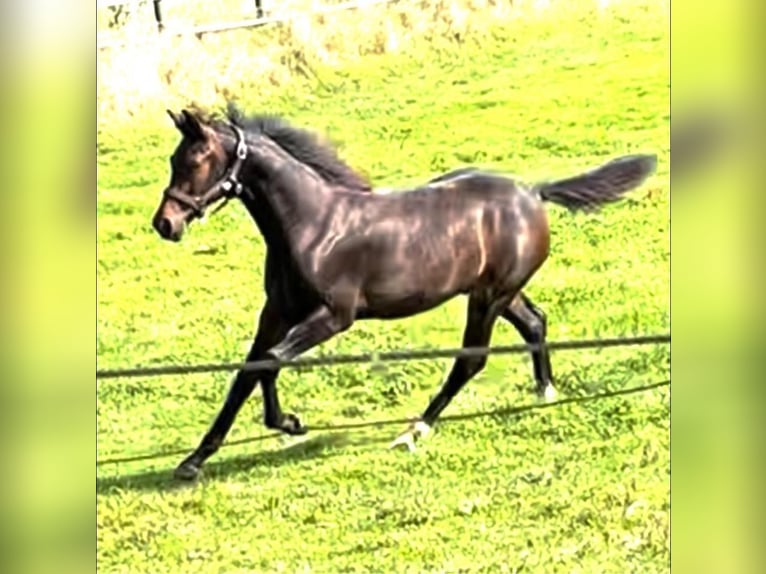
(228, 187)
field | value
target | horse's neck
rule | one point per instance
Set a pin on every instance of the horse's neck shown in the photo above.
(264, 219)
(292, 194)
(287, 202)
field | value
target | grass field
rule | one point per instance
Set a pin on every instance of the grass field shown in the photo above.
(582, 487)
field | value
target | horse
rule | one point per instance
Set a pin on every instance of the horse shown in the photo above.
(337, 253)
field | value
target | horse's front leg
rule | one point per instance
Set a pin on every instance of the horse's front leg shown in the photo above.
(271, 329)
(321, 325)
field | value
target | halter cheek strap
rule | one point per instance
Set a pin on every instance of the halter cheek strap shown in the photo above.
(231, 185)
(228, 187)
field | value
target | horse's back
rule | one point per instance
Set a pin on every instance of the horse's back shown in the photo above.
(466, 183)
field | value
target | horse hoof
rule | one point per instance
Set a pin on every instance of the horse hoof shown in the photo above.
(405, 439)
(409, 437)
(186, 471)
(292, 425)
(547, 395)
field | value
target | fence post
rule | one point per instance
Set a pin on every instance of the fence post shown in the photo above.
(158, 15)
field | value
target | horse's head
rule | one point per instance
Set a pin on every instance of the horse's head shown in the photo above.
(197, 176)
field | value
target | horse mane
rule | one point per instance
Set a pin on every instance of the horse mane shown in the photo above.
(303, 145)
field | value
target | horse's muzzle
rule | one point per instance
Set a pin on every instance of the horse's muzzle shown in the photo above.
(168, 228)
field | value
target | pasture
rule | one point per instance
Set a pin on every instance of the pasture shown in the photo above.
(582, 487)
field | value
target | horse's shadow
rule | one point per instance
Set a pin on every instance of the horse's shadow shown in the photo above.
(162, 480)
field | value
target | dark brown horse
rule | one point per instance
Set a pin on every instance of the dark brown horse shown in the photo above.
(337, 253)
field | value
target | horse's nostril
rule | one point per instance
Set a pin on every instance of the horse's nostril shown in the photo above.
(164, 227)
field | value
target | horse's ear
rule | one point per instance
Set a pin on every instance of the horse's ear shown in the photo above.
(192, 126)
(177, 119)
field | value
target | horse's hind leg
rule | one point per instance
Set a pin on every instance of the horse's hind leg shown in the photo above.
(531, 323)
(482, 314)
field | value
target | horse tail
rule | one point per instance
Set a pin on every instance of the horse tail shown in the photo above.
(605, 184)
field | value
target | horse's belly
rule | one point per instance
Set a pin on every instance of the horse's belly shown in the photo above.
(404, 305)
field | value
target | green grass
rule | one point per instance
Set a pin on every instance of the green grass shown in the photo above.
(577, 488)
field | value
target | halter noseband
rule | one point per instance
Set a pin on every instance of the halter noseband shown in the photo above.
(229, 184)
